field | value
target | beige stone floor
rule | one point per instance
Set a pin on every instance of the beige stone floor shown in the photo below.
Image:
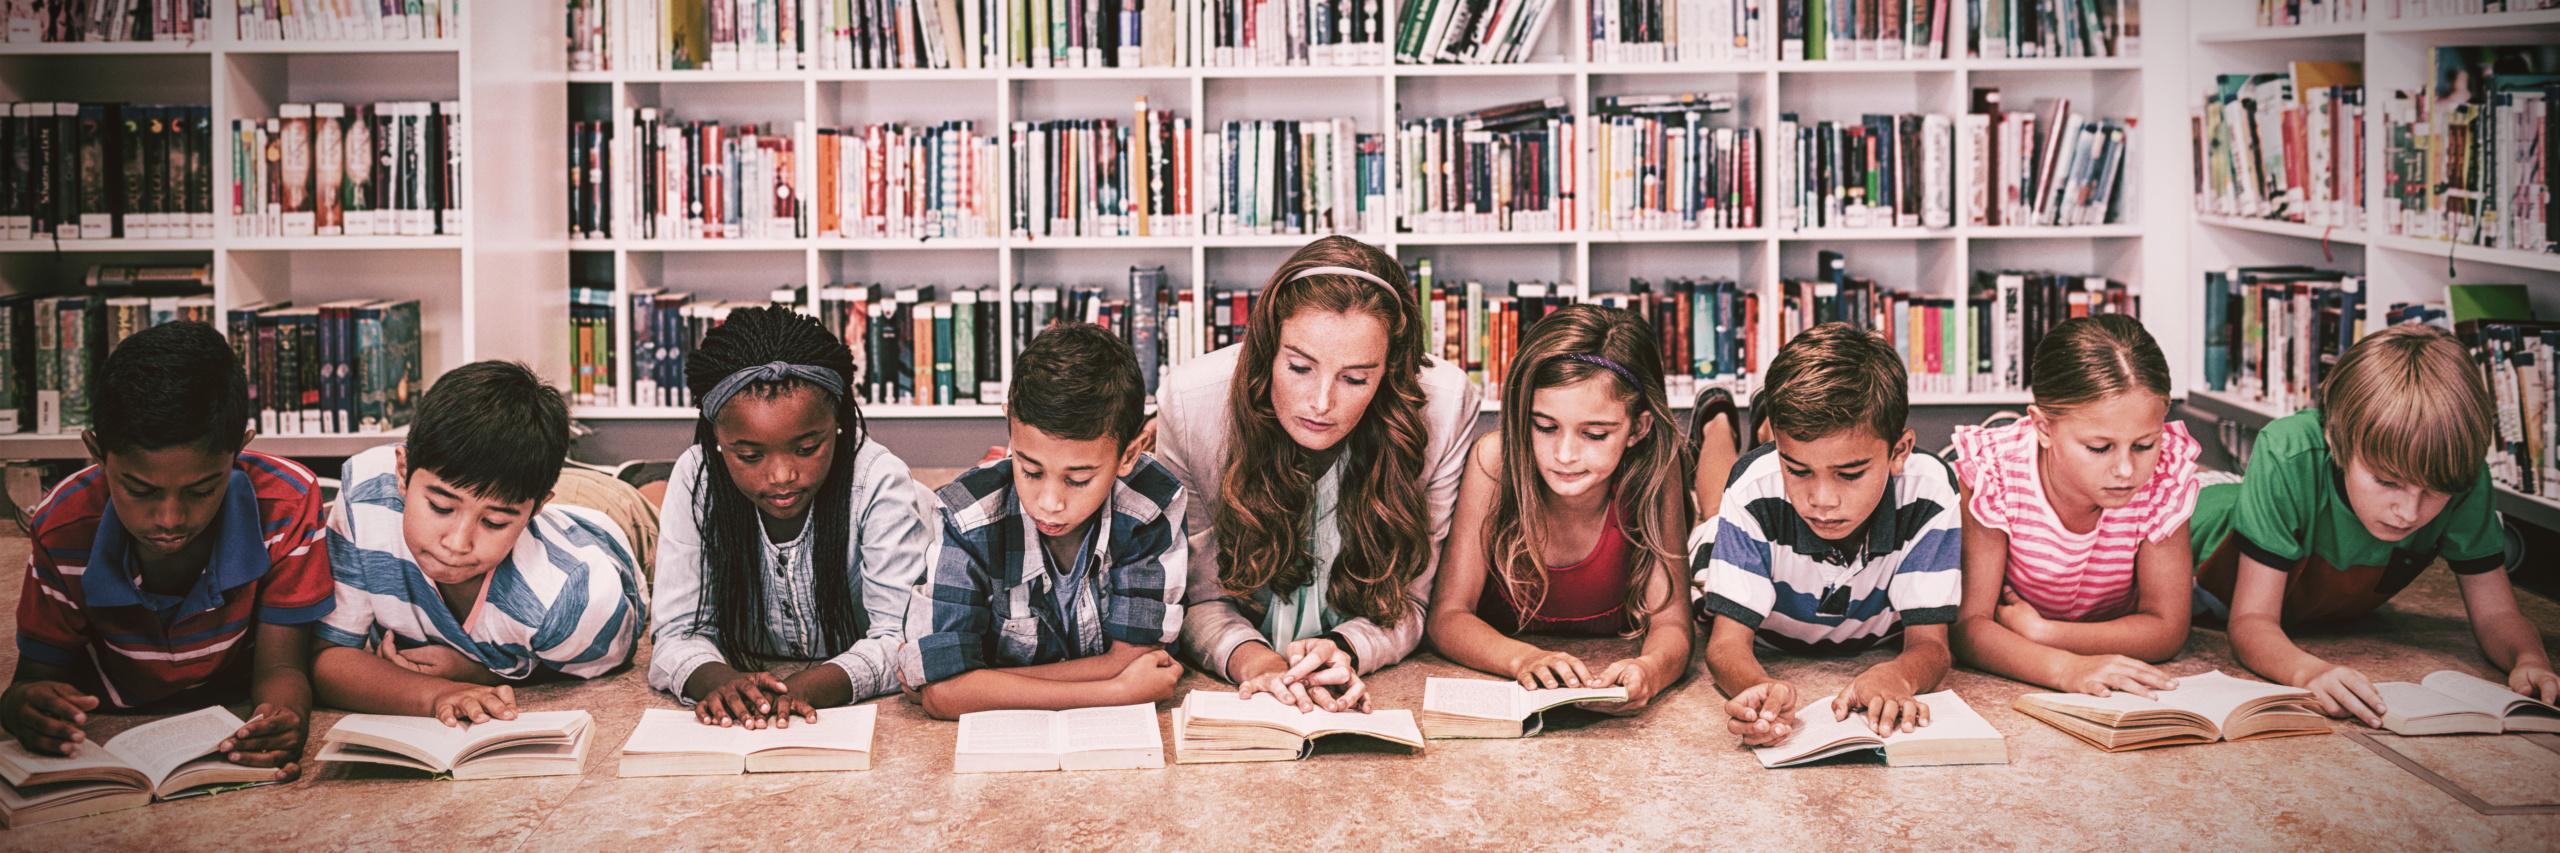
(1668, 779)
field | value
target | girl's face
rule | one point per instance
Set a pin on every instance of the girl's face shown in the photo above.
(1578, 433)
(778, 448)
(1326, 372)
(2104, 452)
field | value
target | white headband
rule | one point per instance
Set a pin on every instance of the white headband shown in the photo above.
(1342, 271)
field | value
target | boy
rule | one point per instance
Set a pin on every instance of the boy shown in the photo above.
(1059, 581)
(1833, 539)
(179, 569)
(2344, 505)
(457, 573)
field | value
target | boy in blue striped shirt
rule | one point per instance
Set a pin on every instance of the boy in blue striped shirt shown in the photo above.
(1836, 538)
(457, 575)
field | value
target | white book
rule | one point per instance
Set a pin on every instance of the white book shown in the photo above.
(1124, 737)
(541, 743)
(1955, 735)
(1936, 193)
(2448, 702)
(669, 742)
(1486, 708)
(1213, 726)
(162, 760)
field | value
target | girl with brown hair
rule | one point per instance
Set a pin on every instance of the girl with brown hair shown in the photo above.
(1570, 516)
(1331, 446)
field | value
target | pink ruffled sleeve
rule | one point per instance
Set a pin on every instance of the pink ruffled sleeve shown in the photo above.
(1983, 465)
(2172, 491)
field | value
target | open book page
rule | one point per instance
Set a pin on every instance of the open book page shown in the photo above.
(423, 735)
(160, 747)
(2478, 693)
(1816, 734)
(1473, 697)
(2411, 701)
(1534, 701)
(1009, 733)
(1949, 719)
(665, 730)
(1120, 727)
(1262, 708)
(2214, 695)
(846, 728)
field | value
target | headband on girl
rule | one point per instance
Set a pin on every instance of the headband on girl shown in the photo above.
(1342, 271)
(1613, 367)
(776, 371)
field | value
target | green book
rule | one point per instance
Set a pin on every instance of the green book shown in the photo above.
(1817, 30)
(942, 376)
(2468, 302)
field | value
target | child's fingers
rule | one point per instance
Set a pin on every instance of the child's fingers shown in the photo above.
(1355, 696)
(1581, 674)
(263, 758)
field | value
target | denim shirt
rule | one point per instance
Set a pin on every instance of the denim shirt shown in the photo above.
(886, 554)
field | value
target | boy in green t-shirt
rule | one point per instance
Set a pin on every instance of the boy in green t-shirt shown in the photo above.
(2344, 506)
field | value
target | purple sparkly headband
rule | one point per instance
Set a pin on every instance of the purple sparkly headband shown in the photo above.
(1613, 367)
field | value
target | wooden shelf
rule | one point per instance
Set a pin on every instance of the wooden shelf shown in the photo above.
(2537, 510)
(2465, 252)
(444, 45)
(2330, 233)
(106, 48)
(2252, 414)
(40, 246)
(68, 445)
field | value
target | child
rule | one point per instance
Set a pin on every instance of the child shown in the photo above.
(1059, 580)
(788, 536)
(1836, 538)
(177, 571)
(2076, 564)
(2344, 505)
(457, 568)
(1568, 517)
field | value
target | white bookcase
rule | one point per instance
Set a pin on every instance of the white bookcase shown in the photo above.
(2395, 53)
(498, 290)
(1936, 262)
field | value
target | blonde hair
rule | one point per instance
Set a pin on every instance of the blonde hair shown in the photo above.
(2409, 403)
(2095, 358)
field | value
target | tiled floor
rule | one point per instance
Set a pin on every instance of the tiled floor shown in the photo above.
(1669, 778)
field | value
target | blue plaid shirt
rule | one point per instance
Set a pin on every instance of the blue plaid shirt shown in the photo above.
(996, 600)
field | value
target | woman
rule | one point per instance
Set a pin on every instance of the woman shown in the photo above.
(1333, 447)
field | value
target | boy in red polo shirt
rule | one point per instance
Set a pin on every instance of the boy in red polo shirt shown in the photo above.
(179, 569)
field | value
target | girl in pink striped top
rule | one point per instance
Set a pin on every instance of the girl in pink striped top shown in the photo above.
(2077, 573)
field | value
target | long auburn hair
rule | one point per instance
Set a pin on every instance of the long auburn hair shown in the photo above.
(1649, 475)
(732, 535)
(1385, 525)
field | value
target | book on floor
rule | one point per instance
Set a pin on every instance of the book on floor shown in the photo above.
(1954, 735)
(1124, 737)
(2447, 702)
(164, 760)
(670, 742)
(2203, 709)
(1213, 726)
(1484, 708)
(540, 743)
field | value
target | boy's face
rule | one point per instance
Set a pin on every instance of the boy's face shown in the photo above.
(1835, 481)
(456, 534)
(2390, 508)
(1579, 432)
(1060, 482)
(166, 498)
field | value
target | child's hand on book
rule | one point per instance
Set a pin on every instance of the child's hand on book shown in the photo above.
(272, 738)
(2536, 681)
(2343, 691)
(2103, 675)
(1547, 670)
(1323, 673)
(47, 716)
(476, 703)
(748, 700)
(1150, 678)
(1764, 714)
(1885, 699)
(1641, 685)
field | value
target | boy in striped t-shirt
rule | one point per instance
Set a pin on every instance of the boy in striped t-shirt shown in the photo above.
(179, 570)
(458, 576)
(1836, 538)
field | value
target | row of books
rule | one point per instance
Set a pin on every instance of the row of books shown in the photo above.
(348, 366)
(2470, 156)
(1883, 171)
(647, 176)
(107, 20)
(2284, 146)
(1983, 342)
(102, 171)
(1103, 178)
(1680, 30)
(1295, 177)
(1838, 30)
(359, 20)
(2295, 13)
(2017, 29)
(736, 35)
(330, 169)
(1660, 165)
(2291, 13)
(1508, 168)
(51, 346)
(1479, 31)
(2272, 332)
(2047, 165)
(2517, 357)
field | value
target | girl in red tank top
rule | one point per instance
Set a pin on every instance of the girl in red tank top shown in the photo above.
(1568, 517)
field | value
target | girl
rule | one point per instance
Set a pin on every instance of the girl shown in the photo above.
(1570, 517)
(2077, 572)
(800, 543)
(1329, 447)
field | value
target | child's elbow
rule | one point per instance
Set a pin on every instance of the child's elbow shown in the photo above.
(936, 699)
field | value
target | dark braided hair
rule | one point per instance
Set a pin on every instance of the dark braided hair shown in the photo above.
(732, 534)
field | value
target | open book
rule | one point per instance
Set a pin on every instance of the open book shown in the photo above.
(1214, 726)
(1954, 735)
(164, 759)
(542, 743)
(1123, 737)
(670, 743)
(2448, 702)
(1475, 707)
(2203, 709)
